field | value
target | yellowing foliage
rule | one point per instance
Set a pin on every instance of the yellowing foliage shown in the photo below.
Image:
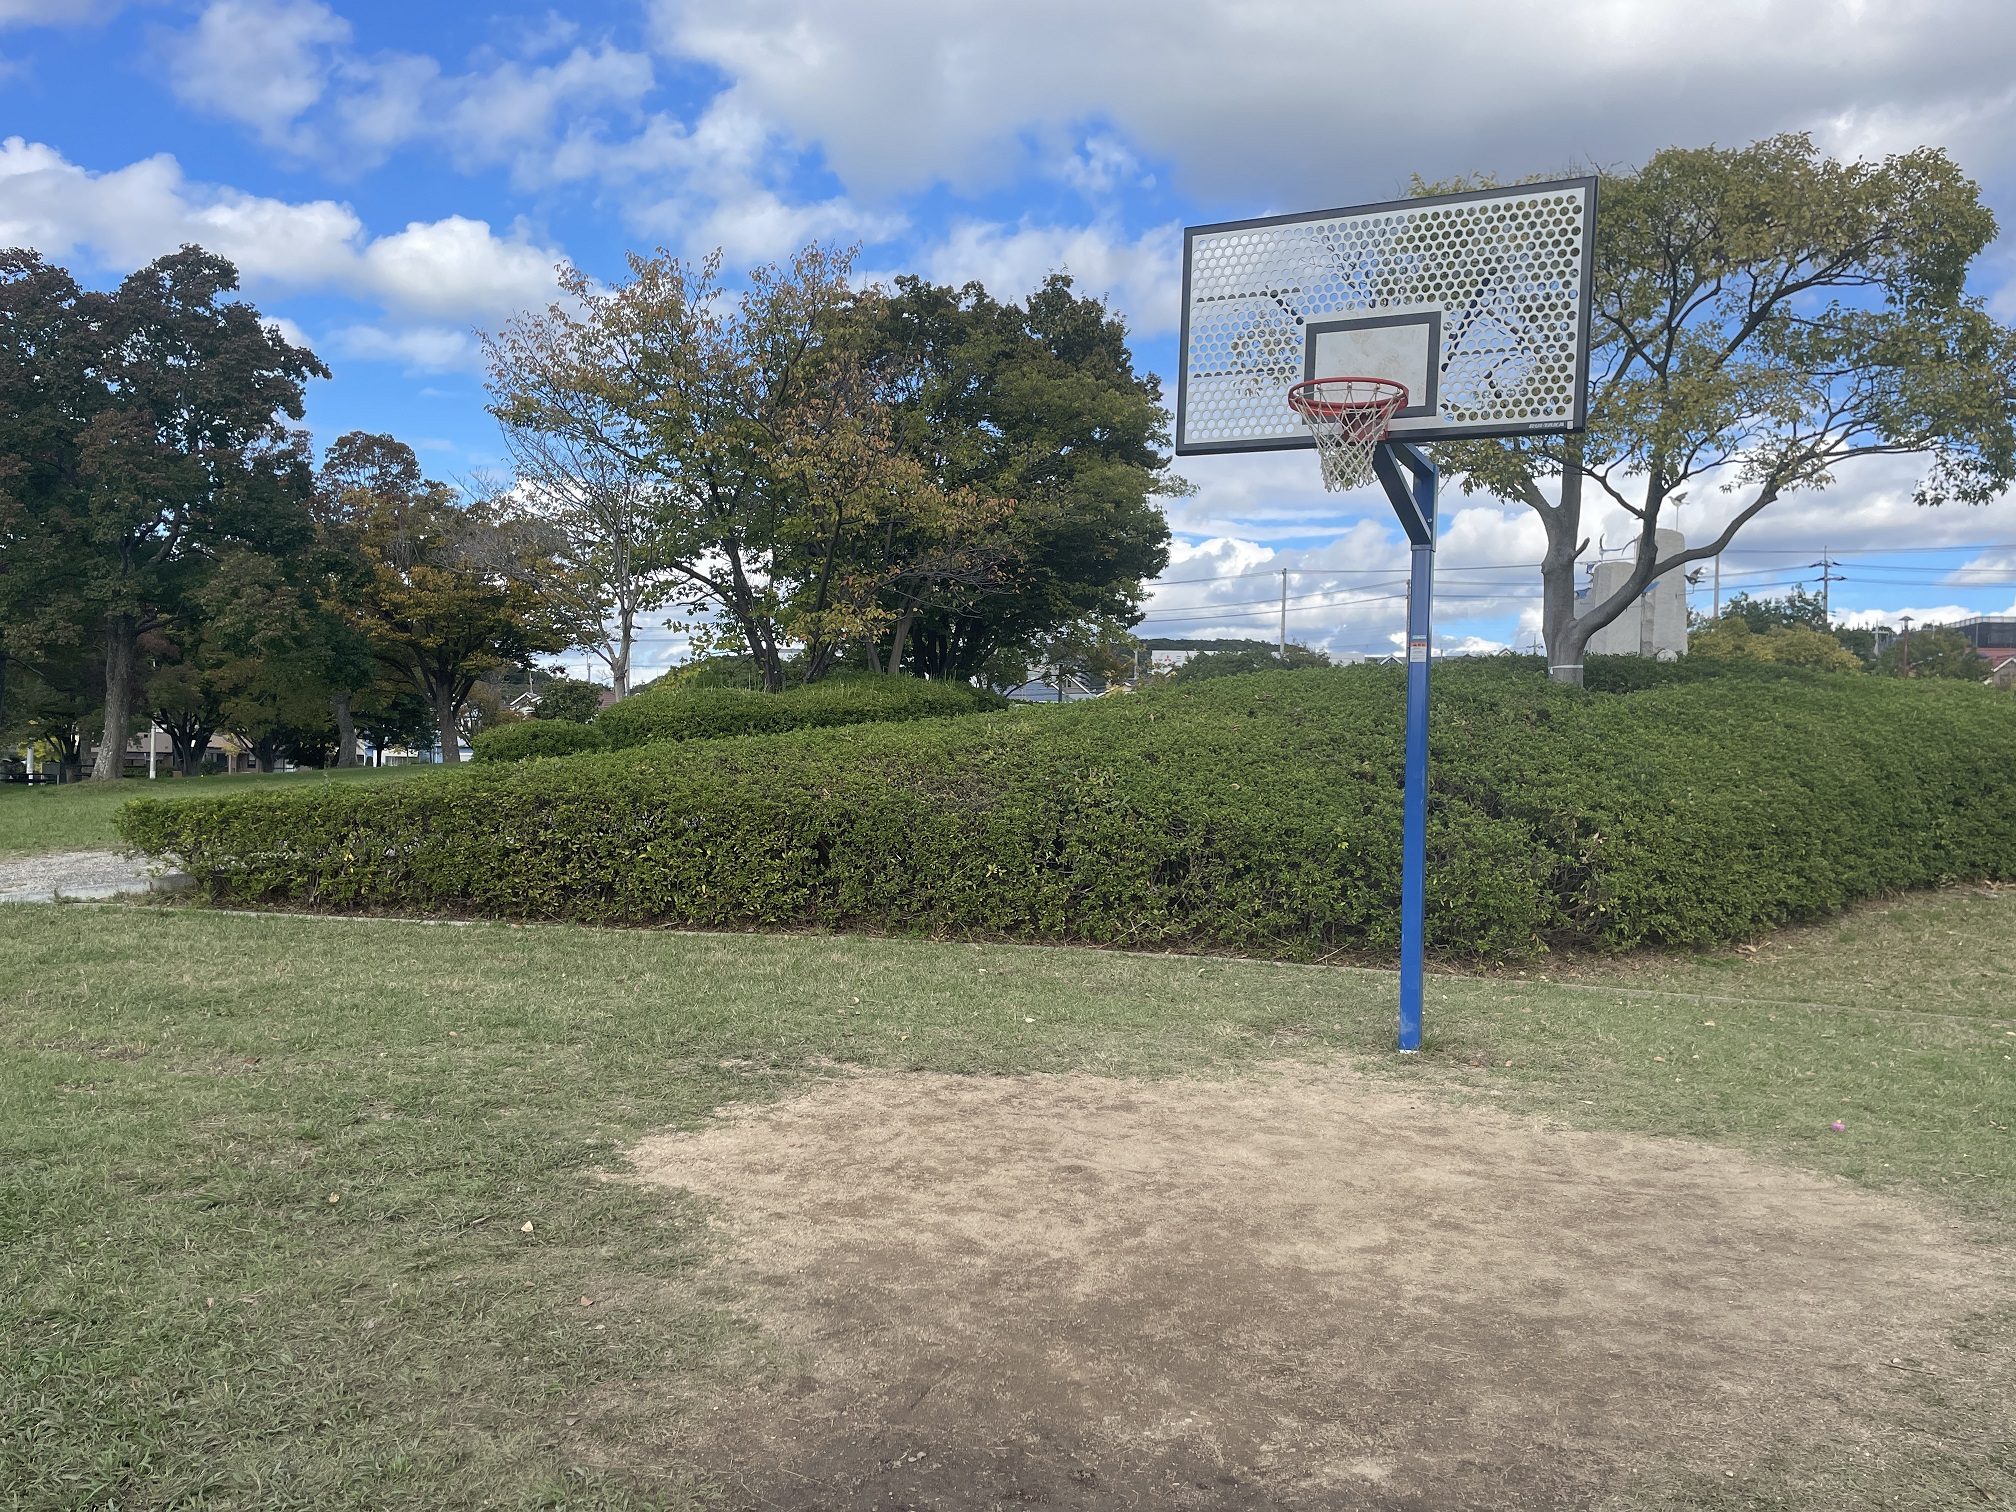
(1792, 645)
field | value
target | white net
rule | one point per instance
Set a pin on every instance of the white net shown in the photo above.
(1348, 418)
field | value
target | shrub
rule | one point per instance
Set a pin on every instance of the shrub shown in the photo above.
(688, 713)
(1731, 639)
(1243, 659)
(1635, 674)
(1257, 814)
(577, 702)
(536, 737)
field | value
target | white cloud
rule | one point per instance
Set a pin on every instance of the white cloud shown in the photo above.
(450, 269)
(286, 69)
(1142, 277)
(1226, 89)
(1100, 166)
(457, 264)
(290, 331)
(512, 110)
(56, 12)
(420, 349)
(1921, 616)
(758, 225)
(260, 62)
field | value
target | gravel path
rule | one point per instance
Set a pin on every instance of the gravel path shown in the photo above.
(83, 875)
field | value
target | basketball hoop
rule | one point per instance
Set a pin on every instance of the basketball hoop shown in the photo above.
(1348, 419)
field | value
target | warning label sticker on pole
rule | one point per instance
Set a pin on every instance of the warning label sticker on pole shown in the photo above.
(1417, 650)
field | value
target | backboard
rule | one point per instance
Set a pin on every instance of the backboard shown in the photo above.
(1478, 303)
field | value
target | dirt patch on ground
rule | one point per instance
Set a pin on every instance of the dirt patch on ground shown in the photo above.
(1302, 1292)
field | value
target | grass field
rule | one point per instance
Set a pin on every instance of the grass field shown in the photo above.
(299, 1212)
(78, 815)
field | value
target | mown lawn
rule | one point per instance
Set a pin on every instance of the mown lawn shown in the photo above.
(79, 815)
(263, 1220)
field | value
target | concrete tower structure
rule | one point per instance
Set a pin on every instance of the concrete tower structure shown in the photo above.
(1658, 626)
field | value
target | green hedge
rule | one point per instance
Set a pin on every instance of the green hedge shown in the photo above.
(527, 738)
(1258, 814)
(680, 713)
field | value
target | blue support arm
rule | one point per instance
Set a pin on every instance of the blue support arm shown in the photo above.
(1413, 499)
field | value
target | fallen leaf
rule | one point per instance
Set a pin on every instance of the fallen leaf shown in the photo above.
(587, 1301)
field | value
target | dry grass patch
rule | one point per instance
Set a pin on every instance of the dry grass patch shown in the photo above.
(1307, 1291)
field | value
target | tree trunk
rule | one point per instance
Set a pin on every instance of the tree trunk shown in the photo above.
(1564, 639)
(897, 637)
(619, 664)
(119, 648)
(189, 738)
(445, 710)
(346, 732)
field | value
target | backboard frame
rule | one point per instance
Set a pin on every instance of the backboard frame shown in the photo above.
(1416, 423)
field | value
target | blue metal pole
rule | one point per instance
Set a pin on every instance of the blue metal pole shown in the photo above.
(1414, 817)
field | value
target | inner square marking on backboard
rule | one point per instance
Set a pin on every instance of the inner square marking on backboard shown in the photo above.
(1404, 348)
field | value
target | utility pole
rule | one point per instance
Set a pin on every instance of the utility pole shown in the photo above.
(1827, 582)
(1905, 655)
(1281, 650)
(1718, 587)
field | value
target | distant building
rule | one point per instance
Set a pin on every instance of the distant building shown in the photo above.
(1994, 638)
(1658, 626)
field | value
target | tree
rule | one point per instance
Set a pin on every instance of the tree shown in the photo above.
(1859, 640)
(574, 702)
(276, 655)
(187, 455)
(53, 700)
(691, 397)
(925, 480)
(1255, 658)
(1037, 406)
(388, 713)
(1731, 638)
(453, 591)
(1798, 608)
(603, 516)
(1935, 651)
(1761, 316)
(49, 395)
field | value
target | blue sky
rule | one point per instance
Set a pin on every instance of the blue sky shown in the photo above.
(392, 178)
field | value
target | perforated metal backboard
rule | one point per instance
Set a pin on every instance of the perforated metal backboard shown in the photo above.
(1478, 303)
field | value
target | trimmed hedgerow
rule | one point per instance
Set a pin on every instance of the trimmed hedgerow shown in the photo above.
(710, 713)
(1258, 813)
(525, 738)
